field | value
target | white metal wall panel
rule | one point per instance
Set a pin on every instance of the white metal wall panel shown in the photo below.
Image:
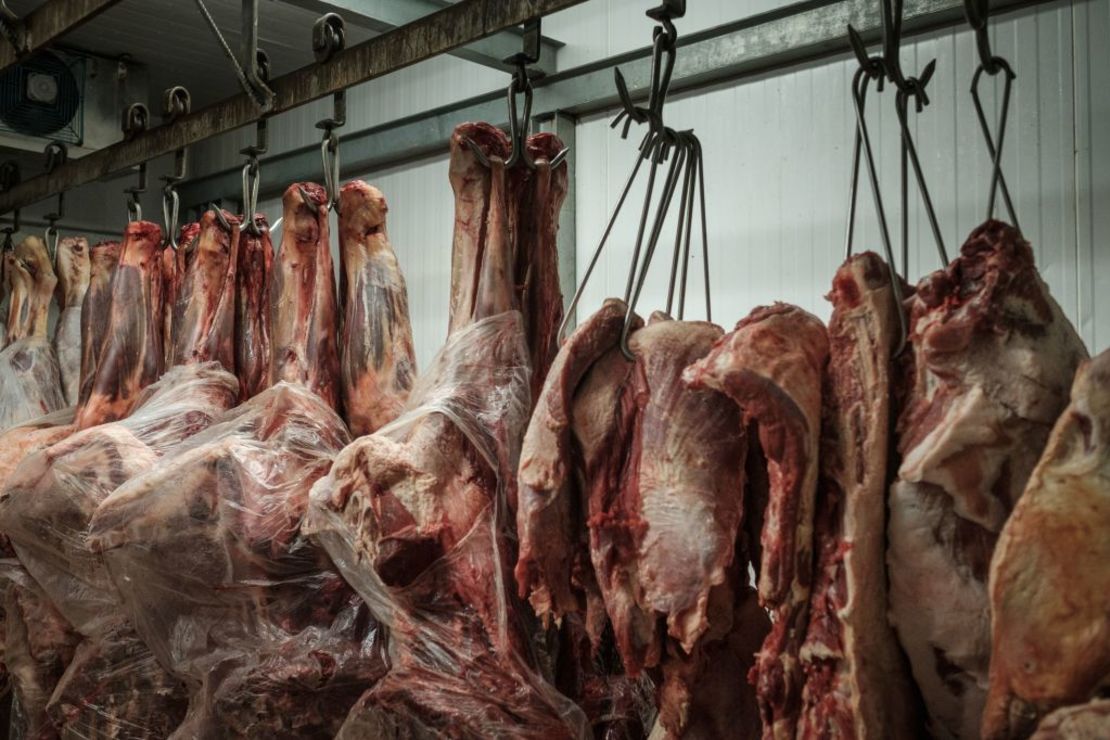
(779, 150)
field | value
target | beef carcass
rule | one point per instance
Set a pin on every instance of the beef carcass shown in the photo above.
(38, 646)
(265, 632)
(857, 682)
(30, 384)
(73, 270)
(253, 351)
(415, 515)
(376, 357)
(305, 315)
(1082, 722)
(1049, 581)
(103, 260)
(538, 196)
(49, 499)
(772, 366)
(133, 357)
(993, 357)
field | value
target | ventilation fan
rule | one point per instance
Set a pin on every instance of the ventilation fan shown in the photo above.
(41, 97)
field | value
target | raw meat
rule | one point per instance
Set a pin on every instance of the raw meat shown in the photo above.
(38, 645)
(204, 301)
(73, 270)
(305, 341)
(550, 519)
(857, 682)
(377, 358)
(993, 358)
(481, 221)
(48, 501)
(132, 358)
(253, 351)
(173, 270)
(30, 385)
(1084, 722)
(1049, 581)
(265, 632)
(103, 260)
(772, 365)
(414, 517)
(538, 201)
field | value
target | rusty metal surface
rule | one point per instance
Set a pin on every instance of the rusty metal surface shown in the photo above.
(448, 29)
(53, 19)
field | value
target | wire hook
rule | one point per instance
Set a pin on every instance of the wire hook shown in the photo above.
(329, 148)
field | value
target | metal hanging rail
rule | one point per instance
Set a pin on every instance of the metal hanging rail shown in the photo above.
(800, 32)
(45, 24)
(454, 26)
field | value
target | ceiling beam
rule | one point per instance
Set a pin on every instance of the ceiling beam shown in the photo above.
(46, 23)
(801, 32)
(452, 27)
(385, 15)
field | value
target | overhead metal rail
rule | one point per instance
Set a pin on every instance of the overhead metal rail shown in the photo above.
(381, 16)
(45, 24)
(801, 32)
(456, 25)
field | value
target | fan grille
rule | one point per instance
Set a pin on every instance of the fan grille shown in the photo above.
(54, 108)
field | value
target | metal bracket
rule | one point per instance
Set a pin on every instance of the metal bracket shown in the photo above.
(255, 63)
(136, 118)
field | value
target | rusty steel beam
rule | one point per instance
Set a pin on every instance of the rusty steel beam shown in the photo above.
(454, 26)
(45, 24)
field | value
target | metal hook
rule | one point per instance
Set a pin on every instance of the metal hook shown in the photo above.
(252, 176)
(910, 149)
(977, 15)
(520, 127)
(863, 77)
(171, 206)
(14, 30)
(134, 207)
(220, 217)
(329, 147)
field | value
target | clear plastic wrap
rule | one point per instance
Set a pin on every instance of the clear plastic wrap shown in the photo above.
(207, 552)
(45, 509)
(415, 518)
(30, 384)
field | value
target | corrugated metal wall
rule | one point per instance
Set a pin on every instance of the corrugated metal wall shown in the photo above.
(778, 154)
(778, 151)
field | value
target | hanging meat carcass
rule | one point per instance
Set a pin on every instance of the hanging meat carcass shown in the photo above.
(305, 338)
(857, 682)
(1049, 582)
(376, 354)
(114, 687)
(415, 515)
(526, 215)
(253, 328)
(993, 357)
(73, 270)
(30, 383)
(772, 366)
(271, 641)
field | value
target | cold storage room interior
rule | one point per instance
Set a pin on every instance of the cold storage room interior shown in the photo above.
(555, 369)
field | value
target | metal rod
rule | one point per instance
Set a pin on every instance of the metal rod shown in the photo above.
(997, 178)
(900, 106)
(601, 244)
(454, 26)
(655, 149)
(51, 20)
(859, 87)
(693, 167)
(680, 229)
(704, 234)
